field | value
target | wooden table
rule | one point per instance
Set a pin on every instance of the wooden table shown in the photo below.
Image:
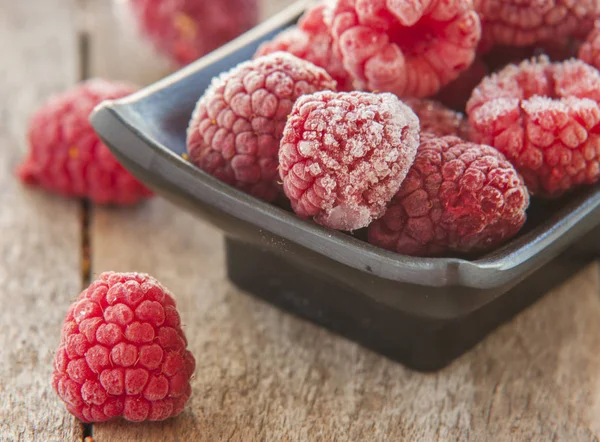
(262, 374)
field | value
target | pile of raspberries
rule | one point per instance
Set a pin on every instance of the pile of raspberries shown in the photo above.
(429, 123)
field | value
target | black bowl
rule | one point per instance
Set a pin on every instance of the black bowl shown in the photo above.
(419, 311)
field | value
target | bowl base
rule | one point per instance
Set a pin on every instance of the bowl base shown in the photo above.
(422, 344)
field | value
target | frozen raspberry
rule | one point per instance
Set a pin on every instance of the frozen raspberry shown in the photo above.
(590, 49)
(311, 41)
(344, 155)
(456, 94)
(545, 118)
(67, 157)
(526, 22)
(436, 118)
(185, 30)
(236, 127)
(408, 47)
(500, 56)
(458, 197)
(123, 353)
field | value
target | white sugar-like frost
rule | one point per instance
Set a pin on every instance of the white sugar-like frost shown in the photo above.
(357, 147)
(306, 148)
(314, 169)
(330, 141)
(392, 155)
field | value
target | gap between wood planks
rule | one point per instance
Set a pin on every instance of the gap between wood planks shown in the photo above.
(83, 42)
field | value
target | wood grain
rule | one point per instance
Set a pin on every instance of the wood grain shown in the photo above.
(39, 239)
(264, 375)
(270, 7)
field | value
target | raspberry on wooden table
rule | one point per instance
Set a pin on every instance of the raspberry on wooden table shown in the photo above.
(545, 118)
(526, 22)
(67, 157)
(185, 30)
(344, 155)
(458, 197)
(235, 130)
(123, 352)
(311, 41)
(436, 118)
(408, 47)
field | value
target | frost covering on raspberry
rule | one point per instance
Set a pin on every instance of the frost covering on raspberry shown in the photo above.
(67, 157)
(408, 47)
(311, 41)
(458, 197)
(123, 353)
(344, 155)
(545, 118)
(237, 125)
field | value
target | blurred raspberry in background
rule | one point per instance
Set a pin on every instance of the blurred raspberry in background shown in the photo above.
(185, 30)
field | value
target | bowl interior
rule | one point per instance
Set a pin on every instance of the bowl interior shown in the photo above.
(159, 116)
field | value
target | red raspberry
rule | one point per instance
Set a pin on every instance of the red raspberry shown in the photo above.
(458, 197)
(410, 48)
(187, 29)
(545, 118)
(236, 127)
(67, 157)
(311, 41)
(123, 353)
(436, 118)
(456, 94)
(590, 49)
(526, 22)
(344, 155)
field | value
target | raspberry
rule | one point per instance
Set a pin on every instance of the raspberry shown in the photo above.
(458, 197)
(456, 93)
(236, 127)
(590, 49)
(545, 118)
(123, 353)
(67, 157)
(526, 22)
(410, 48)
(344, 155)
(185, 30)
(311, 41)
(437, 119)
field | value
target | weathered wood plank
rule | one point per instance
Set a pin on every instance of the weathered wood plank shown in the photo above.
(39, 233)
(270, 7)
(264, 375)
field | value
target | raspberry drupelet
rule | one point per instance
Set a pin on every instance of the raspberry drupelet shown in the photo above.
(237, 125)
(311, 41)
(410, 48)
(344, 155)
(527, 22)
(437, 119)
(123, 353)
(589, 51)
(458, 197)
(67, 157)
(545, 118)
(185, 30)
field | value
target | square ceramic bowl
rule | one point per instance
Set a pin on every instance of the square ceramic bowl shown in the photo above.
(422, 312)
